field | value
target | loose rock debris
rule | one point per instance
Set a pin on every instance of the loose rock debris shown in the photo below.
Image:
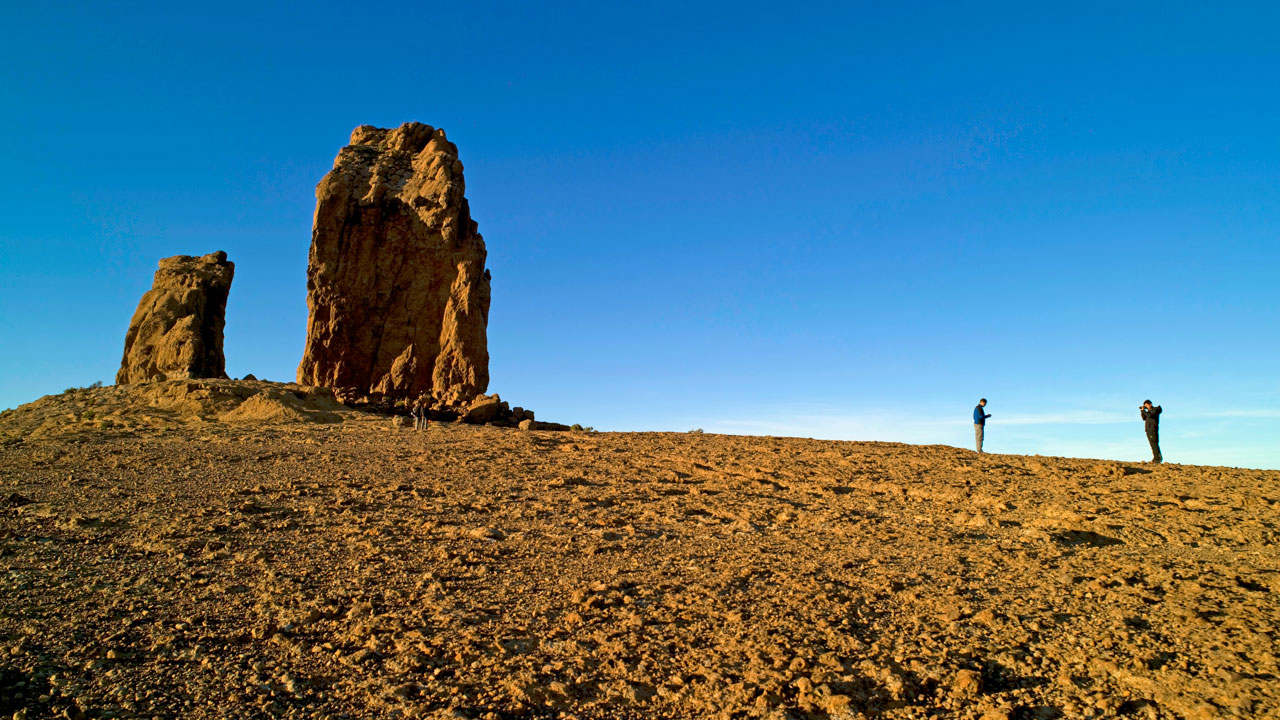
(352, 570)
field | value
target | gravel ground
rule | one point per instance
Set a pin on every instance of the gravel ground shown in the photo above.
(355, 570)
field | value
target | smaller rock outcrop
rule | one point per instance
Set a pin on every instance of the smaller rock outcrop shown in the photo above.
(493, 410)
(483, 409)
(176, 332)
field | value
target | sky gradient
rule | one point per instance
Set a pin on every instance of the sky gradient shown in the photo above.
(833, 220)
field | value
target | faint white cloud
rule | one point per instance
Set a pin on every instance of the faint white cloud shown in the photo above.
(1242, 413)
(836, 426)
(791, 423)
(1086, 433)
(1076, 417)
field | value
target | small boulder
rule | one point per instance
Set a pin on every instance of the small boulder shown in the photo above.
(967, 683)
(483, 410)
(486, 533)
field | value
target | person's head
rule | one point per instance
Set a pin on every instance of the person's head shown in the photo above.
(1146, 403)
(982, 402)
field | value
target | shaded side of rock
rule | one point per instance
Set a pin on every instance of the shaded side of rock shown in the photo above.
(176, 332)
(531, 424)
(397, 290)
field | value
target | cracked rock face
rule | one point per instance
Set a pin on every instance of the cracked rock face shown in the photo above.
(397, 291)
(176, 332)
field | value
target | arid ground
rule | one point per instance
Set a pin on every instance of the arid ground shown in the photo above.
(199, 563)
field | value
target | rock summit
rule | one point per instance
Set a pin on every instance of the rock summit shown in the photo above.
(397, 290)
(176, 332)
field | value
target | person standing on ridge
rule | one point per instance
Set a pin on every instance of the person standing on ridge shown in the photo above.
(1151, 418)
(979, 422)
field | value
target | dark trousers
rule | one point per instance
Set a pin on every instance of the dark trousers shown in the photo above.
(1153, 437)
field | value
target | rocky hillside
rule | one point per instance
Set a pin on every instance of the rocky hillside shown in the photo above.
(211, 569)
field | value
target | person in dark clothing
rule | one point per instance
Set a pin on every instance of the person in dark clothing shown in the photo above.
(1151, 418)
(979, 423)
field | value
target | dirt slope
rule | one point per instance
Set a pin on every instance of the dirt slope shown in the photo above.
(352, 570)
(148, 408)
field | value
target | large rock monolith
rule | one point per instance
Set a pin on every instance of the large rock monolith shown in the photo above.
(397, 290)
(176, 332)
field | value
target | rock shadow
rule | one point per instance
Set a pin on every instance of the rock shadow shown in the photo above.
(1076, 538)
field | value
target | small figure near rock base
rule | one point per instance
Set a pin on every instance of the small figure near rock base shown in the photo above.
(979, 423)
(421, 418)
(1151, 419)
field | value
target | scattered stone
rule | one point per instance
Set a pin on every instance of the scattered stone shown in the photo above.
(16, 500)
(986, 616)
(1108, 470)
(967, 684)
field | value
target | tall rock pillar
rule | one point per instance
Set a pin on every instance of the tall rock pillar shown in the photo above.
(176, 332)
(397, 291)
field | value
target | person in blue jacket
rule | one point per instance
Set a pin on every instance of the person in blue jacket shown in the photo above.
(979, 422)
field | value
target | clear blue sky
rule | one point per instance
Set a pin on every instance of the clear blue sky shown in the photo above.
(845, 220)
